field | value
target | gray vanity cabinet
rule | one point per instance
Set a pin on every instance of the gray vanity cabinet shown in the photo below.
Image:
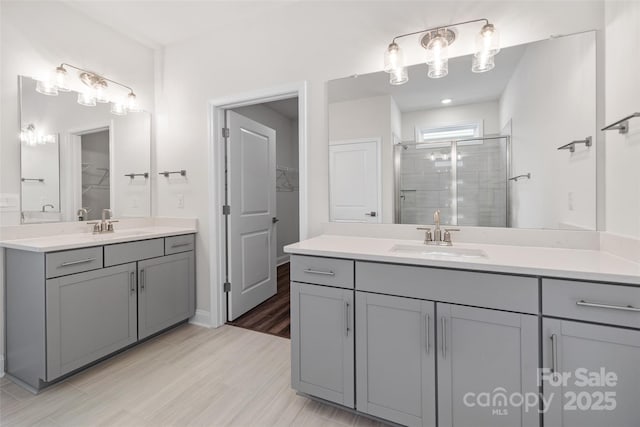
(166, 292)
(569, 346)
(89, 315)
(485, 351)
(322, 342)
(395, 359)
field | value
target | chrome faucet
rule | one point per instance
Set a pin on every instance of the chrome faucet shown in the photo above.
(106, 225)
(44, 207)
(437, 237)
(437, 233)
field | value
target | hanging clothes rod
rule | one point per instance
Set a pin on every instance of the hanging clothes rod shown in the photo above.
(622, 125)
(572, 145)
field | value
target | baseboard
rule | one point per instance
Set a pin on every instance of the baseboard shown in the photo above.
(282, 260)
(1, 365)
(201, 318)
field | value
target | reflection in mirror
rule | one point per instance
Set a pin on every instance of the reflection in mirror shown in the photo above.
(77, 160)
(480, 147)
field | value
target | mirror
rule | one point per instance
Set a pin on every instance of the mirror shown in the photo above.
(488, 149)
(74, 157)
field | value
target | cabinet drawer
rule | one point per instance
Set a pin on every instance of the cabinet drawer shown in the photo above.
(498, 291)
(322, 271)
(123, 253)
(176, 244)
(593, 302)
(74, 261)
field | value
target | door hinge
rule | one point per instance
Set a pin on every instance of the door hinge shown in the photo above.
(227, 287)
(225, 132)
(226, 210)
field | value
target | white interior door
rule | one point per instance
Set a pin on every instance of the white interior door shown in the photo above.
(251, 194)
(354, 189)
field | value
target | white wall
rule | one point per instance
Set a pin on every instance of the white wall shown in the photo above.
(485, 112)
(544, 116)
(35, 37)
(287, 206)
(622, 97)
(291, 43)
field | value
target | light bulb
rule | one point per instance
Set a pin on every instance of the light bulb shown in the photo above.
(101, 93)
(45, 87)
(118, 108)
(61, 79)
(488, 41)
(132, 103)
(393, 58)
(87, 98)
(399, 76)
(438, 57)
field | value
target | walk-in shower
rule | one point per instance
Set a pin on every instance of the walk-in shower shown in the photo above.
(467, 179)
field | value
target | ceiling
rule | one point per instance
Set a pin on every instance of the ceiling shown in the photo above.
(286, 107)
(422, 93)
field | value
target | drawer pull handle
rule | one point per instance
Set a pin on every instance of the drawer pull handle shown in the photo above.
(80, 261)
(444, 337)
(554, 353)
(346, 305)
(142, 280)
(584, 303)
(132, 281)
(180, 245)
(427, 325)
(324, 273)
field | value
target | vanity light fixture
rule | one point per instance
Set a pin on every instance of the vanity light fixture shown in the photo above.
(436, 42)
(95, 90)
(30, 136)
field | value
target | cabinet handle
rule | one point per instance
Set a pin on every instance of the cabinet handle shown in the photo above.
(142, 280)
(346, 319)
(427, 325)
(179, 245)
(324, 273)
(132, 282)
(584, 303)
(554, 353)
(444, 337)
(80, 261)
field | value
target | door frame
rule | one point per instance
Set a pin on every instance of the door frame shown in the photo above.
(378, 142)
(216, 176)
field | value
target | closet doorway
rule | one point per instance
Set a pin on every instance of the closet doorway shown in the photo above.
(263, 193)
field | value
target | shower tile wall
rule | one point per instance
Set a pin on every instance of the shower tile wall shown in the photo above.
(426, 181)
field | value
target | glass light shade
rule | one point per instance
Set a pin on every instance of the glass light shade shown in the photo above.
(101, 94)
(438, 57)
(482, 63)
(61, 80)
(393, 58)
(118, 108)
(399, 76)
(132, 103)
(45, 87)
(87, 98)
(488, 41)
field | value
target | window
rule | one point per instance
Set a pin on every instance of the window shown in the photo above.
(442, 136)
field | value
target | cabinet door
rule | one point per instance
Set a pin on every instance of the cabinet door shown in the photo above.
(166, 292)
(578, 350)
(89, 315)
(322, 346)
(485, 356)
(395, 346)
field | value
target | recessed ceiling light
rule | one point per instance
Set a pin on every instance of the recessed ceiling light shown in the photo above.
(446, 101)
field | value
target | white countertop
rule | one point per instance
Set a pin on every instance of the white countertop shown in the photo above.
(537, 261)
(83, 240)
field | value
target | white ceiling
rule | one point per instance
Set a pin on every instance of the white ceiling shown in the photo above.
(286, 107)
(422, 93)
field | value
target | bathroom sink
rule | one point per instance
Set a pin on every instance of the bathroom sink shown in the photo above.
(440, 251)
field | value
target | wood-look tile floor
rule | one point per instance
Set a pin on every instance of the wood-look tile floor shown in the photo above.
(272, 316)
(189, 376)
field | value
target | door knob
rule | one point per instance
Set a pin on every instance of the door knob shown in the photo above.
(274, 220)
(372, 213)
